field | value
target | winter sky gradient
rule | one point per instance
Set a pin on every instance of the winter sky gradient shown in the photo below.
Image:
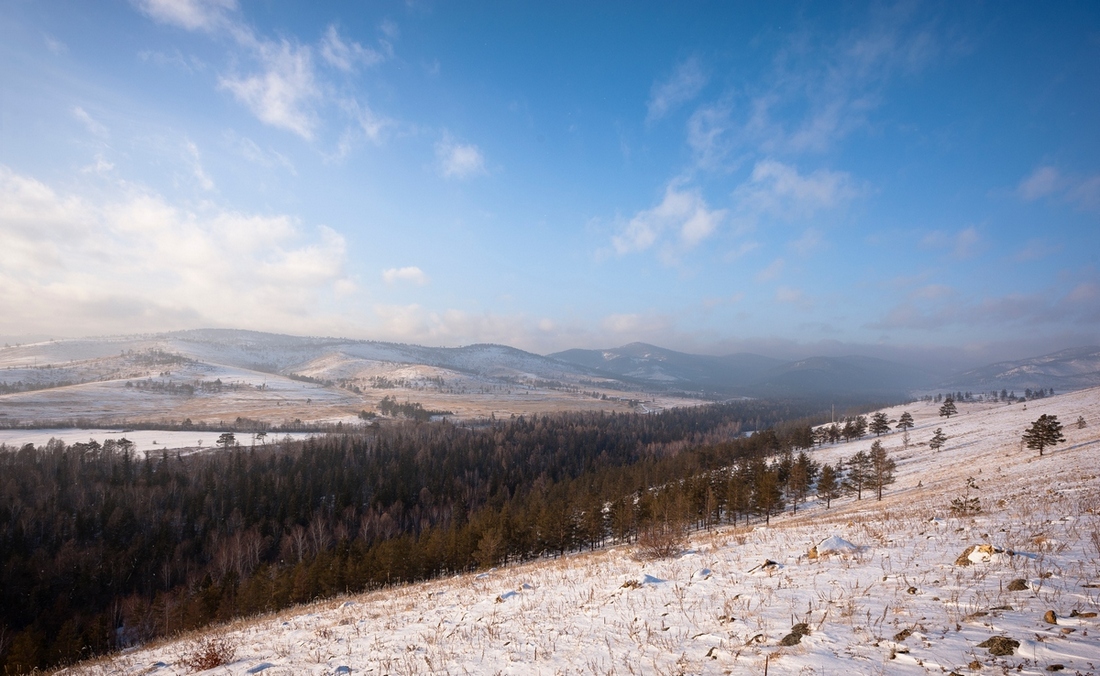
(785, 178)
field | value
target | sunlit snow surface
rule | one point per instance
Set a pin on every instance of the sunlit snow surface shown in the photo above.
(896, 605)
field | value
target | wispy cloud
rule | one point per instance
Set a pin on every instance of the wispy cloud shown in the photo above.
(204, 180)
(347, 55)
(780, 190)
(683, 211)
(411, 274)
(190, 14)
(772, 271)
(684, 85)
(459, 160)
(91, 124)
(962, 245)
(1048, 181)
(55, 46)
(282, 95)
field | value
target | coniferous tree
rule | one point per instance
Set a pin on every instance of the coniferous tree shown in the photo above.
(859, 471)
(905, 421)
(1046, 431)
(828, 486)
(938, 439)
(882, 467)
(880, 424)
(948, 409)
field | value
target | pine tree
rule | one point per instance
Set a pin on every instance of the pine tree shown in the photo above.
(828, 486)
(880, 424)
(882, 467)
(1046, 431)
(948, 409)
(938, 440)
(905, 422)
(859, 471)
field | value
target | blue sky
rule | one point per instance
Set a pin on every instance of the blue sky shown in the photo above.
(783, 178)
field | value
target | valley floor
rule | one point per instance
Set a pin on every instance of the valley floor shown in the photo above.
(897, 604)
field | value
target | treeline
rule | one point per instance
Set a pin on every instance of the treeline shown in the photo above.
(411, 410)
(100, 549)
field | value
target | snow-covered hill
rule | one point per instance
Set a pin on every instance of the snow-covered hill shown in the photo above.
(891, 597)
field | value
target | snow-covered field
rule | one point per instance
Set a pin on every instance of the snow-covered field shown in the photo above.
(145, 441)
(895, 602)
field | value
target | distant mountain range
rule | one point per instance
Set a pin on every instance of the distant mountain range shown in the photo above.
(749, 374)
(1073, 369)
(630, 369)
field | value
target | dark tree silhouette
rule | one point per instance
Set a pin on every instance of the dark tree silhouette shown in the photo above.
(1046, 431)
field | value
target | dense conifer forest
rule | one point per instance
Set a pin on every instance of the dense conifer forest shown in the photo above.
(101, 549)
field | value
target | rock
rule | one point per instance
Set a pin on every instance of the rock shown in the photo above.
(1000, 646)
(1074, 613)
(903, 634)
(801, 628)
(1056, 667)
(1050, 617)
(911, 590)
(1019, 584)
(975, 665)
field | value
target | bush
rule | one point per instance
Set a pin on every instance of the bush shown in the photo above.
(209, 652)
(662, 540)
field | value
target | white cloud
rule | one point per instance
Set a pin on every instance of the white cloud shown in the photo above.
(1047, 181)
(282, 95)
(779, 190)
(134, 262)
(347, 55)
(683, 211)
(412, 274)
(90, 123)
(189, 14)
(459, 160)
(204, 180)
(684, 85)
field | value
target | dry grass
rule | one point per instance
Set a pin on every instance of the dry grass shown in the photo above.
(208, 652)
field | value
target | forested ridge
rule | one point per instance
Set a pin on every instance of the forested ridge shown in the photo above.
(100, 549)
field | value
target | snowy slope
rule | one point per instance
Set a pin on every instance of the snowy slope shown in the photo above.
(897, 604)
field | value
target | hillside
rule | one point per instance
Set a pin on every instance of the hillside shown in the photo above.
(1066, 370)
(890, 597)
(217, 375)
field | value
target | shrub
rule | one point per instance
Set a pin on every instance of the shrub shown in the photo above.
(209, 652)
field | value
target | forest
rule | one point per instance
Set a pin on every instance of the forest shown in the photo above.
(101, 549)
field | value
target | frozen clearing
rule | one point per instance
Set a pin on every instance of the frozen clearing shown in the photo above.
(145, 441)
(894, 602)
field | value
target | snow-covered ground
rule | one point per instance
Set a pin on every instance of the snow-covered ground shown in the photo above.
(894, 601)
(145, 441)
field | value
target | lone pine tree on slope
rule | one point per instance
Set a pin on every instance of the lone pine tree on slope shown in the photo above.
(1046, 431)
(880, 424)
(938, 440)
(948, 409)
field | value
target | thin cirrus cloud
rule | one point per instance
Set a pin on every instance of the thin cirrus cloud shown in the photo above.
(190, 14)
(779, 189)
(410, 275)
(1047, 181)
(684, 85)
(287, 91)
(157, 264)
